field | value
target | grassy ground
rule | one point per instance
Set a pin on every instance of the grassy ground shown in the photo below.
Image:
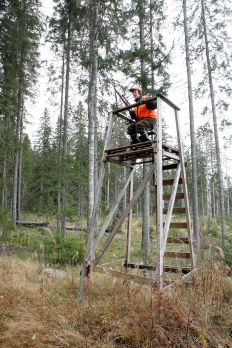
(39, 310)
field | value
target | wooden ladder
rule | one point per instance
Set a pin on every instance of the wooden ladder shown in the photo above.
(181, 260)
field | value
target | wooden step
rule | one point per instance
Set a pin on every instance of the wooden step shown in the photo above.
(175, 210)
(169, 182)
(172, 166)
(177, 254)
(176, 240)
(173, 269)
(179, 195)
(178, 225)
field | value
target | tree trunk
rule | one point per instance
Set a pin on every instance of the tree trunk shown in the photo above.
(145, 243)
(220, 176)
(4, 185)
(93, 55)
(59, 140)
(192, 132)
(65, 135)
(20, 169)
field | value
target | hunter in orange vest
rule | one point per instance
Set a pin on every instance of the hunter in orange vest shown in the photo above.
(144, 115)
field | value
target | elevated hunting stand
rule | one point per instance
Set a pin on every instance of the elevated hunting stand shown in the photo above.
(162, 159)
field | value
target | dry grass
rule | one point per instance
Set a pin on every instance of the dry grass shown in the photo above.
(39, 311)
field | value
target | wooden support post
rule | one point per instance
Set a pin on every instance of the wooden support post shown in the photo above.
(113, 210)
(129, 224)
(170, 207)
(159, 197)
(185, 189)
(124, 215)
(89, 247)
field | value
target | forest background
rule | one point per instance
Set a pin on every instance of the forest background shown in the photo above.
(94, 46)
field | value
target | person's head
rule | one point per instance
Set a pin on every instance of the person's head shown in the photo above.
(136, 90)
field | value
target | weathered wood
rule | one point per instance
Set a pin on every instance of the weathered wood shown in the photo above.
(138, 266)
(124, 117)
(113, 210)
(170, 209)
(124, 215)
(179, 195)
(181, 280)
(123, 275)
(171, 155)
(168, 101)
(177, 254)
(113, 263)
(32, 223)
(173, 269)
(178, 240)
(176, 210)
(185, 189)
(129, 223)
(133, 105)
(178, 225)
(159, 197)
(169, 182)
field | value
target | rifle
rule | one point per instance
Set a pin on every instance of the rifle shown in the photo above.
(122, 97)
(126, 102)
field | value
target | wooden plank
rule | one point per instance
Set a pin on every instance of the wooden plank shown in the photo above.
(179, 195)
(173, 269)
(124, 117)
(120, 221)
(135, 104)
(138, 266)
(185, 189)
(177, 254)
(170, 209)
(178, 225)
(168, 101)
(32, 224)
(178, 240)
(169, 182)
(113, 263)
(121, 163)
(171, 155)
(122, 275)
(159, 196)
(175, 210)
(113, 210)
(171, 166)
(181, 280)
(129, 223)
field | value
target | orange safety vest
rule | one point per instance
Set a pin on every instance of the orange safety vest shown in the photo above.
(141, 111)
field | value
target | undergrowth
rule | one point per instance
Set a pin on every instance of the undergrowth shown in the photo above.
(40, 311)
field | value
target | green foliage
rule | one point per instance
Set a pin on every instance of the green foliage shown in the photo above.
(6, 223)
(46, 245)
(62, 251)
(228, 251)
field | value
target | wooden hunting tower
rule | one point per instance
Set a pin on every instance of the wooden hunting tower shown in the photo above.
(163, 159)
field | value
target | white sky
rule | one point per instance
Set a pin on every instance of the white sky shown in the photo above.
(178, 93)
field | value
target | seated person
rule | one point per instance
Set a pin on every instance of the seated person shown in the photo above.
(144, 115)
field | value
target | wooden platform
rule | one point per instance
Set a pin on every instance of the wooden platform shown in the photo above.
(140, 151)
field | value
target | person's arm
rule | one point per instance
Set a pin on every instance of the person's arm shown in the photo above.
(132, 114)
(151, 105)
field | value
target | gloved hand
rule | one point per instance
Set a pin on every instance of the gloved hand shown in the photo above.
(151, 105)
(132, 114)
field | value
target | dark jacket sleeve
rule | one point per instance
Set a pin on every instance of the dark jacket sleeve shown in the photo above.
(132, 114)
(151, 105)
